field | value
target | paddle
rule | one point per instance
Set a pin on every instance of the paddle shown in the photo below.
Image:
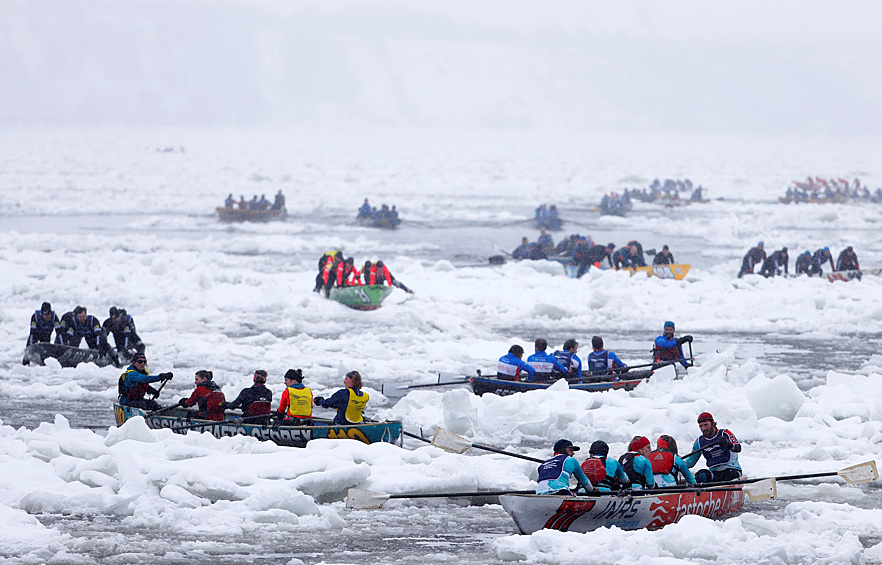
(156, 394)
(449, 441)
(228, 421)
(700, 449)
(415, 436)
(855, 475)
(366, 499)
(398, 391)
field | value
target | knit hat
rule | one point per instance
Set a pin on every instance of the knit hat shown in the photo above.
(639, 444)
(705, 417)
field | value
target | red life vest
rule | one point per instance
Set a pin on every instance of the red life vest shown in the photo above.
(259, 408)
(662, 462)
(213, 405)
(385, 276)
(595, 470)
(326, 270)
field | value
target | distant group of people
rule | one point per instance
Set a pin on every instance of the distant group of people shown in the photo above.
(335, 270)
(384, 217)
(615, 204)
(255, 402)
(818, 189)
(543, 366)
(256, 203)
(808, 263)
(668, 190)
(547, 216)
(74, 326)
(641, 467)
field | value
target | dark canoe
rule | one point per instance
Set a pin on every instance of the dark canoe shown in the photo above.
(289, 436)
(68, 356)
(551, 224)
(532, 513)
(385, 223)
(239, 215)
(483, 385)
(368, 297)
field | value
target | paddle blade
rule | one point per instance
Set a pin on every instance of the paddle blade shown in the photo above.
(394, 391)
(761, 490)
(365, 499)
(450, 442)
(861, 473)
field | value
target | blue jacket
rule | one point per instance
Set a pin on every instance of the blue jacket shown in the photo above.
(133, 383)
(554, 474)
(600, 362)
(510, 366)
(340, 401)
(567, 359)
(41, 330)
(717, 457)
(544, 363)
(662, 343)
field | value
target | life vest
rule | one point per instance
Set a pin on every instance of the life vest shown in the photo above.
(508, 370)
(326, 270)
(356, 406)
(259, 408)
(599, 362)
(669, 354)
(565, 358)
(627, 461)
(553, 468)
(299, 402)
(595, 469)
(354, 277)
(384, 275)
(341, 273)
(213, 405)
(41, 325)
(662, 463)
(133, 392)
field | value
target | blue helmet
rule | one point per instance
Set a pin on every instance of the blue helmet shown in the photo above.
(760, 244)
(669, 324)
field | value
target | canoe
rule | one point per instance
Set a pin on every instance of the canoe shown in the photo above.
(481, 385)
(289, 436)
(369, 297)
(851, 275)
(532, 513)
(68, 356)
(677, 271)
(239, 215)
(382, 222)
(550, 224)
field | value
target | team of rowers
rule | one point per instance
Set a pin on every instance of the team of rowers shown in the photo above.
(334, 270)
(642, 467)
(295, 405)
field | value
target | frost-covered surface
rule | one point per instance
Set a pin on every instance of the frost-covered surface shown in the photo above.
(239, 298)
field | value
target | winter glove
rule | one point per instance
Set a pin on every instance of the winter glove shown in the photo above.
(182, 402)
(318, 400)
(687, 338)
(725, 443)
(166, 376)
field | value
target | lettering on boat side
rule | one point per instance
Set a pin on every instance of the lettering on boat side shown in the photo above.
(352, 433)
(663, 272)
(362, 295)
(567, 513)
(120, 415)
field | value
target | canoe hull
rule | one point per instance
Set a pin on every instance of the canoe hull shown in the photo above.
(532, 513)
(676, 271)
(231, 215)
(289, 436)
(502, 387)
(67, 356)
(369, 297)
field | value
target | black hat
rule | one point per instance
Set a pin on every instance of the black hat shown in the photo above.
(599, 447)
(113, 311)
(46, 308)
(563, 444)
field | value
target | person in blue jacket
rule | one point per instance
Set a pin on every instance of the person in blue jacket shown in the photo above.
(43, 322)
(600, 361)
(349, 401)
(667, 467)
(803, 262)
(720, 449)
(134, 383)
(636, 463)
(511, 365)
(568, 358)
(819, 259)
(668, 348)
(544, 363)
(754, 256)
(604, 473)
(555, 473)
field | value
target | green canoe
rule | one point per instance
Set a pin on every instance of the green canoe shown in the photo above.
(368, 297)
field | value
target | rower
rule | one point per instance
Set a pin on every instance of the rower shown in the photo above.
(568, 358)
(207, 396)
(667, 465)
(296, 404)
(349, 401)
(255, 399)
(543, 363)
(600, 361)
(636, 463)
(604, 473)
(554, 474)
(511, 364)
(720, 449)
(667, 348)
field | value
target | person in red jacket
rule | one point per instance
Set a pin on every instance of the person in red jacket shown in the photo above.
(379, 273)
(208, 396)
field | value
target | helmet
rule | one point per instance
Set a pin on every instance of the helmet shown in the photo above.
(139, 357)
(563, 444)
(759, 244)
(826, 249)
(599, 447)
(784, 249)
(46, 308)
(113, 311)
(350, 260)
(669, 324)
(379, 263)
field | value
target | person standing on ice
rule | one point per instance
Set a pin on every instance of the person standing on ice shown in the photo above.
(125, 335)
(667, 348)
(600, 361)
(80, 324)
(604, 473)
(379, 274)
(636, 463)
(43, 322)
(135, 383)
(775, 263)
(543, 363)
(665, 257)
(667, 466)
(555, 473)
(819, 259)
(803, 262)
(349, 401)
(511, 364)
(720, 449)
(755, 256)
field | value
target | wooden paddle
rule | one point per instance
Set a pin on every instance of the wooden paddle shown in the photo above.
(398, 391)
(449, 441)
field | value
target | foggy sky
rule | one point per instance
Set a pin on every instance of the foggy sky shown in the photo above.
(750, 67)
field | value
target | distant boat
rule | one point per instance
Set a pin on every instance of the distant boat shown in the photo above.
(368, 297)
(677, 271)
(239, 215)
(379, 220)
(482, 385)
(68, 356)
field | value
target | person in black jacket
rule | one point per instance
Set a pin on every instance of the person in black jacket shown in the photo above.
(125, 335)
(43, 322)
(665, 257)
(819, 259)
(755, 256)
(80, 324)
(775, 262)
(847, 260)
(254, 393)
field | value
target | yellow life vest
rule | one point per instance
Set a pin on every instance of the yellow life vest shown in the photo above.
(300, 402)
(356, 406)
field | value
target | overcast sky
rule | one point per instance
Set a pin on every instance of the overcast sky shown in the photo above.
(747, 67)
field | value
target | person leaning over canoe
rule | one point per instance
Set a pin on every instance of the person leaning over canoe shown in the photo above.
(511, 364)
(667, 466)
(720, 449)
(43, 322)
(803, 263)
(847, 260)
(664, 257)
(754, 256)
(668, 348)
(568, 358)
(543, 363)
(636, 463)
(295, 407)
(207, 396)
(604, 473)
(349, 401)
(554, 474)
(135, 383)
(255, 399)
(379, 273)
(600, 361)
